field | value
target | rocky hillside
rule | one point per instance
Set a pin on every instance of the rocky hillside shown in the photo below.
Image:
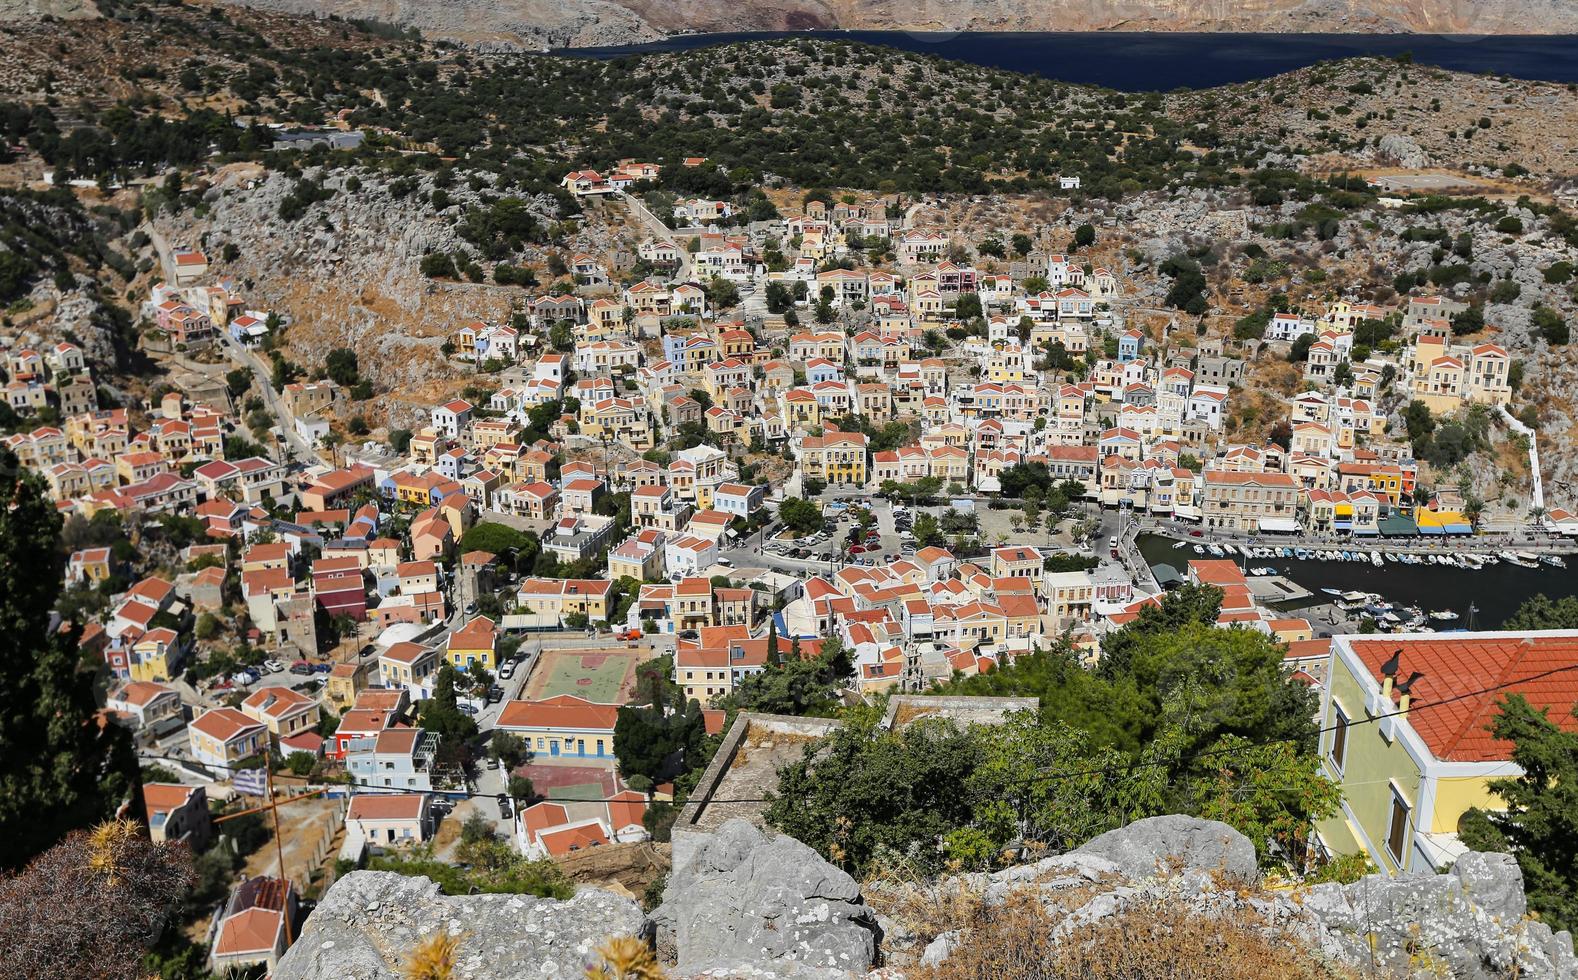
(344, 271)
(741, 904)
(589, 22)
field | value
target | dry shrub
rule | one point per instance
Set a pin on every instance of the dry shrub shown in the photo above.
(433, 958)
(926, 908)
(92, 905)
(626, 958)
(1156, 940)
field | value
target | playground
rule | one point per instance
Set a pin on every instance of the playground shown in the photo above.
(601, 676)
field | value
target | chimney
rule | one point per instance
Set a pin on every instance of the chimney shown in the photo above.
(1403, 690)
(1389, 673)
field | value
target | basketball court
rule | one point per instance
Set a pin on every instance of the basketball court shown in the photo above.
(601, 676)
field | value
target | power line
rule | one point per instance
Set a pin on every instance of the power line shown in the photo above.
(1038, 776)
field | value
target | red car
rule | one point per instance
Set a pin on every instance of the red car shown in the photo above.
(856, 549)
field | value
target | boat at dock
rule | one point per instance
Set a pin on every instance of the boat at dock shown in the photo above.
(1519, 558)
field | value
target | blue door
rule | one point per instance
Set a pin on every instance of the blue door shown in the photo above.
(553, 747)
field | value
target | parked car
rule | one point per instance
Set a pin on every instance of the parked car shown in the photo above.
(243, 678)
(507, 670)
(467, 707)
(856, 549)
(273, 666)
(322, 668)
(631, 635)
(495, 694)
(301, 668)
(505, 811)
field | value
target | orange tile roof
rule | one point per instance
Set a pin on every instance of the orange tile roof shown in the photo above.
(563, 712)
(224, 723)
(1459, 730)
(387, 806)
(254, 931)
(164, 797)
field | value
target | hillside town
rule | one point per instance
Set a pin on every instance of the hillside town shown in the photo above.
(743, 448)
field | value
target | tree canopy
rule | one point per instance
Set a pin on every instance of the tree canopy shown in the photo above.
(53, 759)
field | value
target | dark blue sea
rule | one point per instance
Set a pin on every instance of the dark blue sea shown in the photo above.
(1144, 62)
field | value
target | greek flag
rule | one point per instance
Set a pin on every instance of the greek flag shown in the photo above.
(249, 781)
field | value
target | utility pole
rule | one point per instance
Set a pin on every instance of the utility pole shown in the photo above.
(279, 847)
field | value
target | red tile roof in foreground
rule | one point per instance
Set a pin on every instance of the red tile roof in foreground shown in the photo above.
(1459, 730)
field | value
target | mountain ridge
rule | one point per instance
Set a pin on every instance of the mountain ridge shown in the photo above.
(538, 23)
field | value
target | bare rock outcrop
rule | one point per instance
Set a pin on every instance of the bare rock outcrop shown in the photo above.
(744, 899)
(743, 903)
(369, 922)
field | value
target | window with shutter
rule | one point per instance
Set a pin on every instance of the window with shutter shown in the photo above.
(1399, 827)
(1339, 740)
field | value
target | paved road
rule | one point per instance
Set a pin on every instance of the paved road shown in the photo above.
(661, 232)
(293, 445)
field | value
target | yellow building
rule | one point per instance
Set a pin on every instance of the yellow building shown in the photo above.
(550, 601)
(472, 646)
(836, 457)
(156, 656)
(1408, 777)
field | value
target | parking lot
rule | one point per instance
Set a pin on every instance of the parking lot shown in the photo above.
(885, 542)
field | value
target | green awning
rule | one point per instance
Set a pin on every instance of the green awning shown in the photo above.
(1398, 526)
(1167, 576)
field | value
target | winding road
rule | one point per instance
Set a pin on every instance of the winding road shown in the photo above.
(292, 445)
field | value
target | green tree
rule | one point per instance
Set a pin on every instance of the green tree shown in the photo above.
(341, 367)
(56, 761)
(799, 686)
(1084, 236)
(510, 749)
(1539, 612)
(1540, 824)
(441, 713)
(802, 516)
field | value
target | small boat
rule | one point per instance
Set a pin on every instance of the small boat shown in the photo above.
(1555, 561)
(1215, 550)
(1180, 544)
(1519, 558)
(1332, 591)
(1199, 550)
(1300, 554)
(1529, 557)
(1284, 552)
(1445, 615)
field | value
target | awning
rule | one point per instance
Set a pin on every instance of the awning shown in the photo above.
(1167, 576)
(1443, 522)
(1398, 526)
(1279, 525)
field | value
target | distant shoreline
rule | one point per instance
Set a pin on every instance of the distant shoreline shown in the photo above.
(1164, 60)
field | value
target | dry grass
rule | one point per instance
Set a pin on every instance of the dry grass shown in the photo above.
(433, 958)
(626, 958)
(1159, 940)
